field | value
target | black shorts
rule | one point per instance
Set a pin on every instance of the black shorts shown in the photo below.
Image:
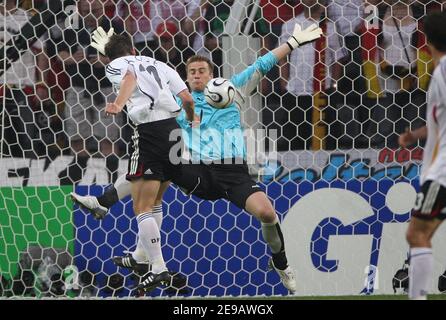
(150, 151)
(431, 201)
(196, 179)
(217, 181)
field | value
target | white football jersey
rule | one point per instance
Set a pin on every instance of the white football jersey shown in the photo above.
(157, 84)
(434, 157)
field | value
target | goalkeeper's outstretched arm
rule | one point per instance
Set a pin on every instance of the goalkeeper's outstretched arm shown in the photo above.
(298, 38)
(247, 80)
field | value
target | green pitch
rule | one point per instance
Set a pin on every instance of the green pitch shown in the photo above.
(33, 216)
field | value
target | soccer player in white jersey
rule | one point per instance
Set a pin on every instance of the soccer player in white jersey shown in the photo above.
(147, 87)
(430, 207)
(216, 179)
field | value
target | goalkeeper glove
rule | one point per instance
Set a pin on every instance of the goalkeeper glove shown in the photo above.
(100, 39)
(301, 37)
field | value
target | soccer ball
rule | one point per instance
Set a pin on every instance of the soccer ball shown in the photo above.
(219, 93)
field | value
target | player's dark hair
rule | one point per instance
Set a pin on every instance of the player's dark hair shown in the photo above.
(119, 45)
(198, 58)
(435, 30)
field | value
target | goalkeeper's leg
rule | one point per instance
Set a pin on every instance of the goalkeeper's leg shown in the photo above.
(191, 180)
(245, 193)
(258, 205)
(98, 206)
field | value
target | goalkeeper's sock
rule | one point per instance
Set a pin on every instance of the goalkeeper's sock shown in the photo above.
(139, 255)
(273, 236)
(121, 189)
(420, 272)
(150, 237)
(280, 260)
(109, 198)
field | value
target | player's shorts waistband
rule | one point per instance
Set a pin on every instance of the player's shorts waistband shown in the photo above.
(159, 123)
(225, 161)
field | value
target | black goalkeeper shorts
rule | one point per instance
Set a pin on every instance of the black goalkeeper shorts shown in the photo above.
(217, 181)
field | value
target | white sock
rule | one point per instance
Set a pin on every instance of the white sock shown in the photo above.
(150, 238)
(157, 213)
(123, 187)
(420, 272)
(139, 254)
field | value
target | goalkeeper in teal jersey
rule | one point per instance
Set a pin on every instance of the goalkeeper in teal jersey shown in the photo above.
(208, 144)
(217, 149)
(218, 171)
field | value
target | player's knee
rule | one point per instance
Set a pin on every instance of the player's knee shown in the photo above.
(266, 214)
(142, 208)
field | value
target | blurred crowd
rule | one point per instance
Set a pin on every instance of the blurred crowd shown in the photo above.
(359, 86)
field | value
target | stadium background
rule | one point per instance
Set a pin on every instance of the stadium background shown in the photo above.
(341, 186)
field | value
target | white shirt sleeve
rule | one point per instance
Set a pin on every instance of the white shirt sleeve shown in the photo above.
(176, 84)
(117, 69)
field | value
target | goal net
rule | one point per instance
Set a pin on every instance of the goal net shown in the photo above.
(324, 124)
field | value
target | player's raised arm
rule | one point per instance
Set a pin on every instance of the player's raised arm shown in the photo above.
(127, 87)
(100, 38)
(247, 80)
(179, 88)
(298, 38)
